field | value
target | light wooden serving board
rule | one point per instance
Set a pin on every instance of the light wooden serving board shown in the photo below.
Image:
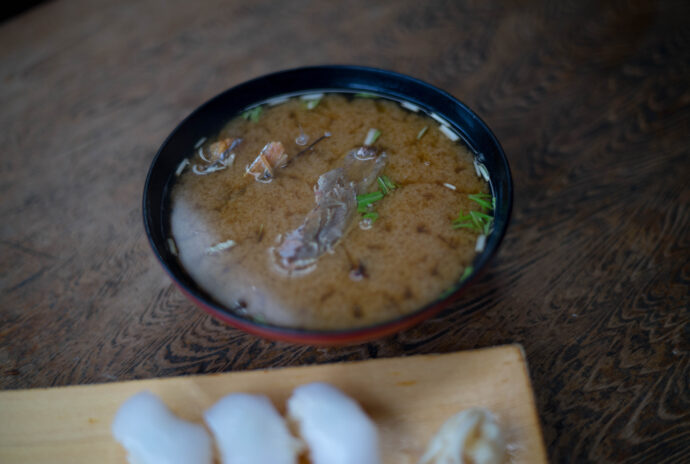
(409, 398)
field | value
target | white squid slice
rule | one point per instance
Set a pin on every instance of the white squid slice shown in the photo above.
(152, 434)
(249, 430)
(334, 427)
(470, 436)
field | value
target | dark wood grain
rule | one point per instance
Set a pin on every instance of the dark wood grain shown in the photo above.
(591, 101)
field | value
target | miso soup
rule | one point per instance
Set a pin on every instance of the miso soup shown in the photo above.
(329, 211)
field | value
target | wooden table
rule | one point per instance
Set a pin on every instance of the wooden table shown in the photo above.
(590, 101)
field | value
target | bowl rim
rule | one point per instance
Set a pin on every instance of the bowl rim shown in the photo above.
(357, 334)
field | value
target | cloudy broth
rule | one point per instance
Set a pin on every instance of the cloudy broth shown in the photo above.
(278, 218)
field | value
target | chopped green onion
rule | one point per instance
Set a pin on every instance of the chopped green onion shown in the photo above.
(480, 244)
(421, 133)
(372, 136)
(447, 292)
(468, 271)
(481, 171)
(226, 245)
(476, 220)
(367, 199)
(410, 106)
(253, 114)
(389, 183)
(370, 197)
(181, 166)
(383, 186)
(199, 142)
(448, 132)
(366, 95)
(480, 216)
(464, 225)
(481, 201)
(438, 118)
(172, 246)
(463, 217)
(311, 104)
(386, 184)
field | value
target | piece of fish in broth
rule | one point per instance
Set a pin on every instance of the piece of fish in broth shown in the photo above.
(336, 203)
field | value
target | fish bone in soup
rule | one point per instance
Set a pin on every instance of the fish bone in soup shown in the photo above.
(329, 212)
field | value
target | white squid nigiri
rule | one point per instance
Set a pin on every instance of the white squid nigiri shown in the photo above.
(249, 430)
(152, 434)
(334, 427)
(470, 436)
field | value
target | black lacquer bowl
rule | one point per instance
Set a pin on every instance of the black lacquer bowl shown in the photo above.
(210, 117)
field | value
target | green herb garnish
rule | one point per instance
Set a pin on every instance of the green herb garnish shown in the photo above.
(483, 200)
(373, 215)
(421, 133)
(363, 201)
(447, 292)
(386, 184)
(480, 222)
(253, 114)
(468, 271)
(477, 220)
(463, 221)
(311, 104)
